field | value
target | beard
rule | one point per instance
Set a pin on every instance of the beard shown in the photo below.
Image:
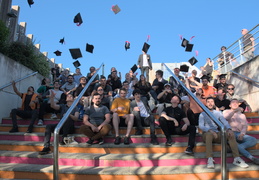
(98, 103)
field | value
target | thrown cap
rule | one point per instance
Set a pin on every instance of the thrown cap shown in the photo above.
(78, 19)
(134, 68)
(145, 47)
(62, 40)
(193, 61)
(184, 68)
(89, 48)
(30, 2)
(116, 9)
(58, 53)
(184, 42)
(127, 45)
(75, 53)
(76, 64)
(189, 47)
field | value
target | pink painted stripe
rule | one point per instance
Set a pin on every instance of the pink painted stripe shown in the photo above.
(253, 120)
(27, 122)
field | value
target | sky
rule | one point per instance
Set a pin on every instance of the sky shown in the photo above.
(213, 23)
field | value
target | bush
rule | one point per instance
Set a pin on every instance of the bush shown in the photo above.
(4, 34)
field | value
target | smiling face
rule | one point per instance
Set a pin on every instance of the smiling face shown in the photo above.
(210, 103)
(234, 104)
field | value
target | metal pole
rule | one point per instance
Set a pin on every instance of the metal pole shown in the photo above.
(224, 172)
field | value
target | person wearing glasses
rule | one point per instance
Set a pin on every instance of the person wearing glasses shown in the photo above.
(28, 109)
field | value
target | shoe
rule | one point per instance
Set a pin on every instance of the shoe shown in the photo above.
(40, 122)
(127, 140)
(117, 140)
(255, 160)
(154, 141)
(210, 163)
(53, 116)
(139, 132)
(169, 142)
(29, 130)
(14, 129)
(45, 150)
(90, 142)
(189, 151)
(240, 162)
(101, 141)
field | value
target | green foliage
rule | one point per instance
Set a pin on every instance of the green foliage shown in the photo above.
(4, 34)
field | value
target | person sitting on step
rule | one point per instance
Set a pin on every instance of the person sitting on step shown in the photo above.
(238, 122)
(142, 115)
(96, 121)
(28, 109)
(68, 127)
(173, 120)
(210, 134)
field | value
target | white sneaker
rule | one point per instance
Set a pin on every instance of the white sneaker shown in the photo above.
(53, 116)
(40, 123)
(240, 162)
(210, 164)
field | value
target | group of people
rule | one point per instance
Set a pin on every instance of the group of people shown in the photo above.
(112, 103)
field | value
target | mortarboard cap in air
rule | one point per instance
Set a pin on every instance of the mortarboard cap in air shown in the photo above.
(134, 68)
(76, 64)
(127, 45)
(62, 40)
(184, 68)
(78, 19)
(145, 47)
(193, 61)
(184, 42)
(189, 47)
(58, 53)
(116, 9)
(75, 53)
(222, 76)
(89, 48)
(30, 2)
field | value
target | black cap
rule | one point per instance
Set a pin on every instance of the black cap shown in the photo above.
(127, 45)
(145, 47)
(30, 2)
(184, 68)
(75, 53)
(184, 42)
(89, 48)
(62, 40)
(222, 76)
(76, 64)
(78, 19)
(193, 61)
(58, 53)
(206, 77)
(189, 47)
(134, 68)
(116, 9)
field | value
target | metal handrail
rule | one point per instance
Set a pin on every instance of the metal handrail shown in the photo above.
(61, 123)
(245, 77)
(10, 83)
(224, 174)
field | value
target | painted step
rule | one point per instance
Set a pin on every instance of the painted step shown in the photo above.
(198, 172)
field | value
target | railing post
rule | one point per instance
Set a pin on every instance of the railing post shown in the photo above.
(240, 50)
(224, 173)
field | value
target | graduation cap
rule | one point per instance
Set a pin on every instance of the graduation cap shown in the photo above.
(30, 2)
(206, 77)
(146, 46)
(75, 53)
(189, 47)
(58, 53)
(193, 61)
(116, 9)
(78, 19)
(76, 64)
(184, 68)
(127, 45)
(89, 48)
(222, 76)
(134, 68)
(62, 40)
(184, 42)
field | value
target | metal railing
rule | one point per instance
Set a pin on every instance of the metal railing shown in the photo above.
(245, 77)
(61, 123)
(18, 80)
(224, 173)
(235, 55)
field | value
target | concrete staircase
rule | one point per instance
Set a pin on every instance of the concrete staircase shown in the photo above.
(140, 160)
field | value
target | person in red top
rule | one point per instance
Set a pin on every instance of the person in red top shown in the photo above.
(28, 109)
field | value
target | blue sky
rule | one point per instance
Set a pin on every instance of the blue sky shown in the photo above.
(213, 23)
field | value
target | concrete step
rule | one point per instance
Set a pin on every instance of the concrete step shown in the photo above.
(25, 171)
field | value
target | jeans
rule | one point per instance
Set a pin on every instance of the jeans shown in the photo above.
(247, 142)
(33, 114)
(144, 121)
